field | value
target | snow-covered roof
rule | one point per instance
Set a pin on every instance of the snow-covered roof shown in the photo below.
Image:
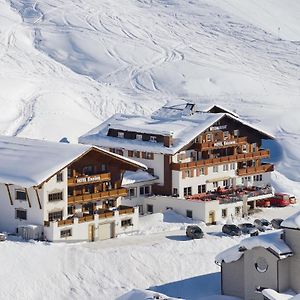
(27, 162)
(270, 240)
(292, 222)
(273, 295)
(131, 177)
(183, 129)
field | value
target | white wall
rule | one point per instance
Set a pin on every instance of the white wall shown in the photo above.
(80, 231)
(8, 221)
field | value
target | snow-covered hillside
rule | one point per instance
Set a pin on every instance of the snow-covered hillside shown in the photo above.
(67, 65)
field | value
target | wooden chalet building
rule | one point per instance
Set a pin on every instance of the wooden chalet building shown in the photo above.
(190, 152)
(63, 192)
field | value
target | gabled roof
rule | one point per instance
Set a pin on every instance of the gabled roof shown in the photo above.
(270, 240)
(28, 162)
(183, 129)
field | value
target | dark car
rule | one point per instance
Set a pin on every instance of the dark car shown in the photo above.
(231, 229)
(248, 228)
(262, 224)
(276, 223)
(194, 232)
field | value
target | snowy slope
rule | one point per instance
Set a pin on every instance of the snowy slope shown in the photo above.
(71, 64)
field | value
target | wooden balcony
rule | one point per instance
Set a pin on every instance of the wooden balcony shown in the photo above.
(124, 210)
(64, 222)
(88, 179)
(221, 160)
(97, 196)
(254, 170)
(220, 144)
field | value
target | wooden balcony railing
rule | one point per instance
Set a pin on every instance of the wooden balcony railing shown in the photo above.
(97, 196)
(220, 144)
(123, 210)
(87, 218)
(253, 170)
(74, 181)
(221, 160)
(65, 222)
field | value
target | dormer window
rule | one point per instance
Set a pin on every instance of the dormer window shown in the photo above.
(152, 138)
(236, 132)
(121, 134)
(139, 137)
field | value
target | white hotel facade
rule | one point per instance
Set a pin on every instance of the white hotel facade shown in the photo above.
(63, 192)
(187, 152)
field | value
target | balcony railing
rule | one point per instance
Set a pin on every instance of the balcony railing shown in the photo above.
(74, 181)
(221, 160)
(253, 170)
(220, 144)
(97, 196)
(125, 210)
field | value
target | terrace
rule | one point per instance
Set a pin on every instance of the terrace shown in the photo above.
(233, 195)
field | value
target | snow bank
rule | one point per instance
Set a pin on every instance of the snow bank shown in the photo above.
(131, 177)
(273, 295)
(144, 295)
(292, 221)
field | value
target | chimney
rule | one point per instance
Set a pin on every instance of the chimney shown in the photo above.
(168, 141)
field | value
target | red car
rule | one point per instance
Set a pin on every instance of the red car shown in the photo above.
(280, 199)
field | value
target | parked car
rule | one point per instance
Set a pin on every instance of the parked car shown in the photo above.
(194, 232)
(276, 223)
(262, 225)
(3, 237)
(231, 229)
(248, 228)
(280, 200)
(263, 203)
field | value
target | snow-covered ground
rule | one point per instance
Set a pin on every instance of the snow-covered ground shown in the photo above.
(164, 262)
(65, 66)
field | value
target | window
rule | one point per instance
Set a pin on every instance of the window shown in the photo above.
(175, 192)
(119, 151)
(120, 134)
(149, 209)
(261, 265)
(88, 170)
(257, 177)
(127, 222)
(209, 137)
(65, 233)
(244, 148)
(200, 171)
(147, 155)
(226, 135)
(224, 213)
(21, 214)
(236, 132)
(237, 210)
(103, 167)
(226, 183)
(55, 216)
(187, 191)
(225, 167)
(21, 195)
(137, 154)
(55, 197)
(130, 153)
(232, 166)
(151, 171)
(59, 177)
(215, 184)
(132, 192)
(201, 188)
(152, 138)
(189, 214)
(215, 169)
(145, 190)
(71, 210)
(139, 137)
